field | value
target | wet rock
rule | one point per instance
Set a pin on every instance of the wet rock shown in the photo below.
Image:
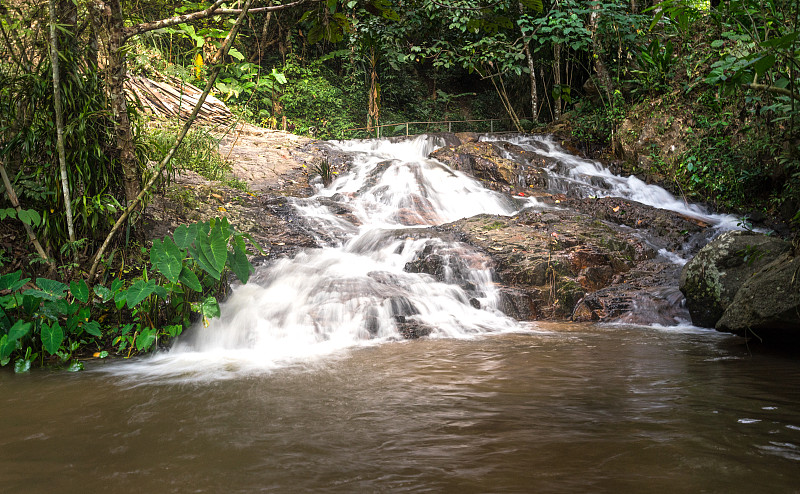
(519, 305)
(452, 264)
(550, 260)
(768, 303)
(485, 161)
(712, 278)
(644, 296)
(663, 228)
(412, 330)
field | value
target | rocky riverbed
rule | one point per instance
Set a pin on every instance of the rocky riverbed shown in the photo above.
(582, 258)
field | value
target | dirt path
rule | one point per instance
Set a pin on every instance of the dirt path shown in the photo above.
(272, 164)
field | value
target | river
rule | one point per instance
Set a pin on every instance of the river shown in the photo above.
(569, 408)
(304, 384)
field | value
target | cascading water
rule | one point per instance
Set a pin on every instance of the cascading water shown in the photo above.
(575, 176)
(355, 290)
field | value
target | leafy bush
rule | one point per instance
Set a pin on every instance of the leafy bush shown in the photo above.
(27, 141)
(53, 319)
(314, 104)
(199, 151)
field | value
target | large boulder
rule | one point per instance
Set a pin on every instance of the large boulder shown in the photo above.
(548, 260)
(712, 278)
(768, 303)
(490, 163)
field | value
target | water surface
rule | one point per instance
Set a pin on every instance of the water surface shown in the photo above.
(576, 408)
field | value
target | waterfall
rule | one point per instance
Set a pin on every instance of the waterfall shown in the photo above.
(357, 290)
(573, 175)
(368, 283)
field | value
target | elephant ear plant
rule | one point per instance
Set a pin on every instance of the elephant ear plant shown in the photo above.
(52, 321)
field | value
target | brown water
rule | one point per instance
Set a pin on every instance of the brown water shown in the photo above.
(581, 409)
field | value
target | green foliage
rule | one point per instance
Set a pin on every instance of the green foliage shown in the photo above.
(199, 152)
(325, 172)
(27, 216)
(598, 123)
(27, 142)
(655, 66)
(54, 320)
(314, 102)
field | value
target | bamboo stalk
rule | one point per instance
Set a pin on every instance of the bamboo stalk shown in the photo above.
(62, 161)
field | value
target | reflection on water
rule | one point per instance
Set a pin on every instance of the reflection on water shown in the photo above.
(573, 409)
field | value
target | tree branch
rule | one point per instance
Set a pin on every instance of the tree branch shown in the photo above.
(203, 14)
(62, 160)
(12, 196)
(271, 8)
(172, 21)
(772, 89)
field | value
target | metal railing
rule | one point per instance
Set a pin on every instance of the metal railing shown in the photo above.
(401, 126)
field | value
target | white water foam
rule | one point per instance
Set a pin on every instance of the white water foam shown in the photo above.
(575, 174)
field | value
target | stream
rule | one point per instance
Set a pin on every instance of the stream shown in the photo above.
(305, 384)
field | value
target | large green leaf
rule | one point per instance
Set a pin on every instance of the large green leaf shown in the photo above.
(39, 294)
(190, 279)
(238, 262)
(216, 249)
(52, 336)
(120, 298)
(145, 339)
(12, 281)
(93, 328)
(139, 291)
(763, 64)
(103, 292)
(19, 330)
(55, 288)
(79, 290)
(7, 347)
(184, 235)
(204, 264)
(167, 258)
(117, 285)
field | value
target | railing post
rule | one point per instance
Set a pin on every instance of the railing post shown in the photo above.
(406, 129)
(491, 126)
(449, 126)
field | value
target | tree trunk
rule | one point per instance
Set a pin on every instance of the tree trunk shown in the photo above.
(532, 71)
(534, 92)
(134, 204)
(12, 196)
(374, 92)
(62, 160)
(557, 79)
(111, 23)
(600, 67)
